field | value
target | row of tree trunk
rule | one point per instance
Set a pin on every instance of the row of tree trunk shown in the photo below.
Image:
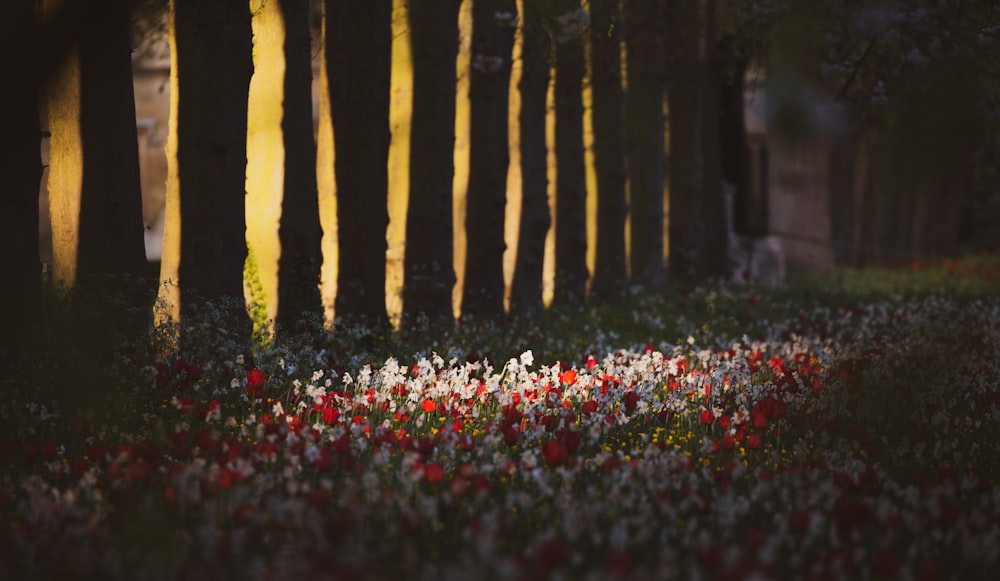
(95, 185)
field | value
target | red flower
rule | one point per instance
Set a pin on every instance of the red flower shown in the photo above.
(589, 407)
(631, 401)
(728, 443)
(555, 452)
(255, 383)
(706, 417)
(753, 441)
(568, 377)
(428, 405)
(434, 473)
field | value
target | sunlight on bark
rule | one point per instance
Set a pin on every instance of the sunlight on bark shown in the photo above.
(168, 303)
(400, 113)
(461, 182)
(327, 188)
(265, 147)
(65, 181)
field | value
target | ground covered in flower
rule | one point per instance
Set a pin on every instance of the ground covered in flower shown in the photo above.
(753, 433)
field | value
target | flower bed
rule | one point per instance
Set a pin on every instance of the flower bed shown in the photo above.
(846, 443)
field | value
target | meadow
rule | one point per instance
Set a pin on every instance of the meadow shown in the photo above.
(822, 429)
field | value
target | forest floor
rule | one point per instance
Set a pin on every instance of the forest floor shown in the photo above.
(826, 429)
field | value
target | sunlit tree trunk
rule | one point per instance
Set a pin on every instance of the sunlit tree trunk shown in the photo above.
(299, 232)
(526, 287)
(429, 273)
(358, 56)
(571, 179)
(210, 80)
(20, 173)
(683, 71)
(493, 25)
(644, 147)
(94, 189)
(610, 272)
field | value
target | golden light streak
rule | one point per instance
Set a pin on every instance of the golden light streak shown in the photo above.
(461, 181)
(400, 113)
(327, 188)
(65, 181)
(512, 214)
(167, 308)
(265, 174)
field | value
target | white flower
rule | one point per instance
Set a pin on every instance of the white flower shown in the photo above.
(527, 358)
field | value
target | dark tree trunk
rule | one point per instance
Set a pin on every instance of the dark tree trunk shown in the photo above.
(734, 152)
(111, 237)
(212, 70)
(526, 288)
(712, 226)
(571, 177)
(683, 72)
(610, 270)
(644, 147)
(492, 46)
(429, 274)
(20, 174)
(359, 61)
(299, 232)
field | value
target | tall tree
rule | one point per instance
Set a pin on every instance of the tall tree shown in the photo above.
(211, 67)
(683, 27)
(95, 197)
(359, 60)
(493, 25)
(299, 232)
(610, 270)
(644, 147)
(20, 173)
(571, 177)
(712, 219)
(429, 273)
(526, 286)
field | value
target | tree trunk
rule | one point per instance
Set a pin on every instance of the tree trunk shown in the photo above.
(712, 226)
(526, 287)
(734, 152)
(493, 26)
(211, 72)
(359, 61)
(644, 147)
(299, 232)
(610, 271)
(683, 28)
(20, 174)
(429, 273)
(94, 189)
(571, 177)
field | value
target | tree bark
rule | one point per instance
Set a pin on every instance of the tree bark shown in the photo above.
(212, 66)
(94, 189)
(526, 287)
(20, 174)
(359, 60)
(299, 232)
(571, 178)
(683, 28)
(644, 147)
(610, 270)
(712, 226)
(428, 272)
(111, 225)
(493, 27)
